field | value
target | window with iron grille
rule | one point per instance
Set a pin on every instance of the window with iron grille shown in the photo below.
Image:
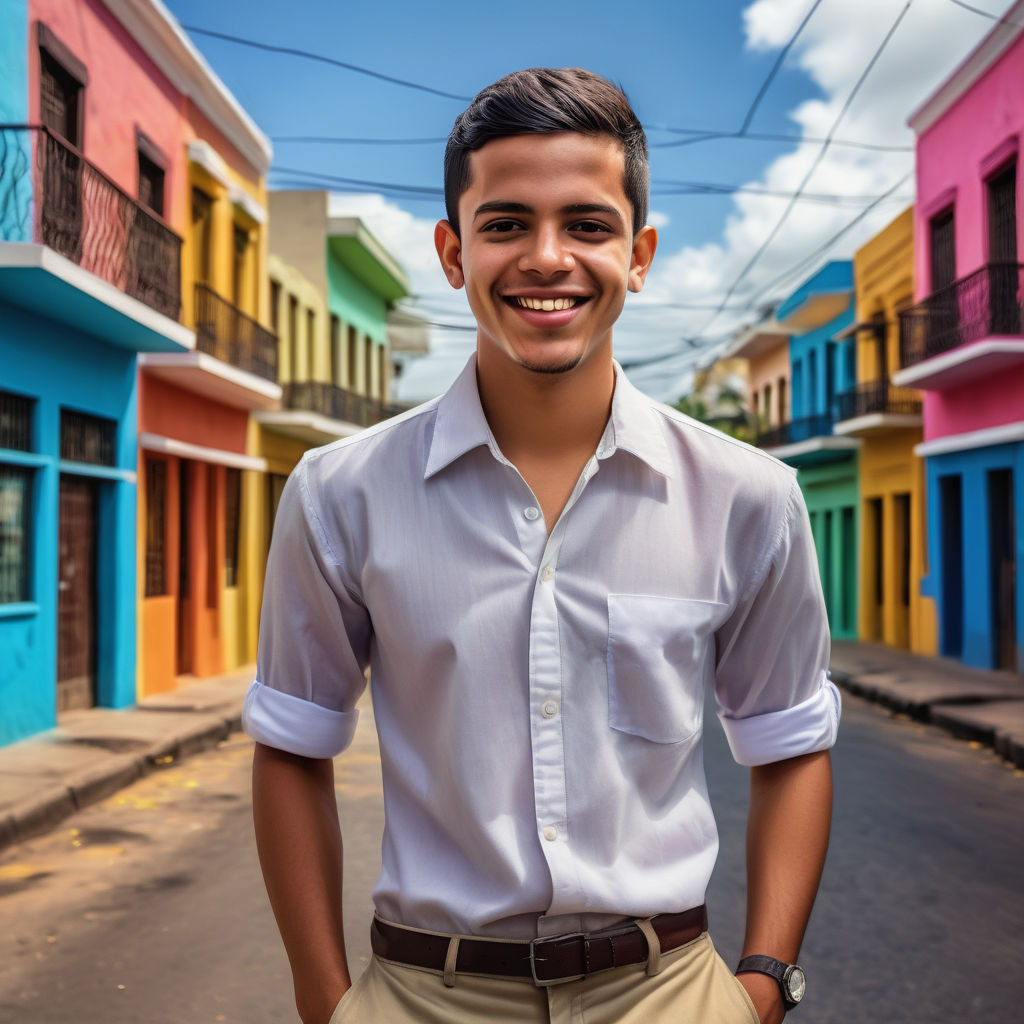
(60, 99)
(85, 438)
(275, 306)
(151, 184)
(202, 234)
(232, 524)
(16, 421)
(241, 263)
(15, 533)
(156, 527)
(1002, 215)
(942, 238)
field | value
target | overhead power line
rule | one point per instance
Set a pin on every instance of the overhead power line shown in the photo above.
(307, 55)
(343, 140)
(706, 136)
(783, 53)
(814, 165)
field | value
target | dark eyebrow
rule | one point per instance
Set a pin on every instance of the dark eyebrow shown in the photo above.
(507, 206)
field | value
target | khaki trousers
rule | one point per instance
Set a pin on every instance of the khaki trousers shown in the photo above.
(694, 986)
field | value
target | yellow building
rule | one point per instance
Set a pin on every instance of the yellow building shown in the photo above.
(887, 419)
(200, 542)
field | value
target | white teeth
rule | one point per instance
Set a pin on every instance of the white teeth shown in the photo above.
(547, 305)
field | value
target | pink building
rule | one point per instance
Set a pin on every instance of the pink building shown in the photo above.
(963, 345)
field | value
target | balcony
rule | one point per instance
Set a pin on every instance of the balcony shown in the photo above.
(806, 440)
(338, 403)
(226, 333)
(81, 214)
(235, 361)
(877, 406)
(316, 412)
(971, 328)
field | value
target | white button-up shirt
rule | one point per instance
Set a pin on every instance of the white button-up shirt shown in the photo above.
(539, 699)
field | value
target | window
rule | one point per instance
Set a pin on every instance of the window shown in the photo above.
(310, 341)
(15, 493)
(156, 527)
(783, 413)
(233, 516)
(335, 350)
(768, 405)
(151, 184)
(1002, 215)
(275, 306)
(293, 338)
(353, 358)
(942, 231)
(15, 421)
(85, 438)
(202, 235)
(241, 265)
(61, 80)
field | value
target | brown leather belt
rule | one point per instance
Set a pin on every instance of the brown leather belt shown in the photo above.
(547, 961)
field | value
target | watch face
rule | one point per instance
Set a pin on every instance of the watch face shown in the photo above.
(796, 983)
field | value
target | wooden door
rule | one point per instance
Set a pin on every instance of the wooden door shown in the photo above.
(76, 595)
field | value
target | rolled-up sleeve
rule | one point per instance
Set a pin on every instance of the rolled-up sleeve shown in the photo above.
(314, 637)
(775, 698)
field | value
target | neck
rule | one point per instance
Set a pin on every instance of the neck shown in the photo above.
(545, 415)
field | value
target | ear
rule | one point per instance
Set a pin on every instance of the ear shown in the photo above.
(640, 262)
(449, 252)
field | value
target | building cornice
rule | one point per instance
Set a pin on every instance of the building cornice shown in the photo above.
(155, 29)
(1008, 433)
(1006, 31)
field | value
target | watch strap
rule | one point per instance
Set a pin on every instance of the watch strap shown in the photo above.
(777, 969)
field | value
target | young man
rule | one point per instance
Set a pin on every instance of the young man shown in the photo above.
(544, 570)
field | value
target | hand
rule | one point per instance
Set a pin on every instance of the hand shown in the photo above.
(765, 995)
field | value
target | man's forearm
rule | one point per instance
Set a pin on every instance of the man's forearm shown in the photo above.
(299, 844)
(787, 837)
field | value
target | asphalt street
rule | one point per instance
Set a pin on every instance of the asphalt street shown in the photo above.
(149, 907)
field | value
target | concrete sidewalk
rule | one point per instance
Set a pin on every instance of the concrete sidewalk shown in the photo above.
(94, 753)
(972, 704)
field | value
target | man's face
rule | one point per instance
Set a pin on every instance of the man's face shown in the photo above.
(547, 251)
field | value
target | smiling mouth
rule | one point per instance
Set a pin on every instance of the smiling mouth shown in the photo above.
(545, 305)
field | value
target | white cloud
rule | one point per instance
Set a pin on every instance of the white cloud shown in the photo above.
(833, 50)
(658, 219)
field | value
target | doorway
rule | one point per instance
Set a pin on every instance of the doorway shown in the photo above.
(951, 510)
(76, 594)
(1002, 568)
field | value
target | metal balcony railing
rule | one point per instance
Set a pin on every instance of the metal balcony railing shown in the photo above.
(794, 431)
(988, 302)
(50, 194)
(878, 396)
(226, 333)
(338, 403)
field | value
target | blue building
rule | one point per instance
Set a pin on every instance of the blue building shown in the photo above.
(818, 317)
(83, 290)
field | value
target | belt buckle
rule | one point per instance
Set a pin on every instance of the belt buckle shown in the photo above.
(546, 982)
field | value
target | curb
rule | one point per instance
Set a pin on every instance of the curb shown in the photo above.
(948, 715)
(43, 813)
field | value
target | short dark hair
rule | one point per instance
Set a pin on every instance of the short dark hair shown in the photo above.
(542, 101)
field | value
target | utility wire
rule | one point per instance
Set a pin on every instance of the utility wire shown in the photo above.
(313, 139)
(705, 136)
(814, 166)
(984, 14)
(292, 52)
(783, 53)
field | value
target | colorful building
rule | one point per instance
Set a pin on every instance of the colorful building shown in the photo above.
(962, 344)
(200, 553)
(89, 278)
(888, 421)
(822, 366)
(333, 289)
(765, 347)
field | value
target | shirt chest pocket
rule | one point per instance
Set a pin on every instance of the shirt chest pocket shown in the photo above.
(661, 654)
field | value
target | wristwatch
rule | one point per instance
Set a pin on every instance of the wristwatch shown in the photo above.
(791, 978)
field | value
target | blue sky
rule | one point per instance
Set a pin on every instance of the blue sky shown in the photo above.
(684, 65)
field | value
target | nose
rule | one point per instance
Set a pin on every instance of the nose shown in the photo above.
(546, 252)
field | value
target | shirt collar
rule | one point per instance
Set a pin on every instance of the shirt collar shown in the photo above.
(460, 425)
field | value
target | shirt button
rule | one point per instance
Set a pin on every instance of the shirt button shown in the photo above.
(549, 709)
(550, 833)
(547, 573)
(531, 513)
